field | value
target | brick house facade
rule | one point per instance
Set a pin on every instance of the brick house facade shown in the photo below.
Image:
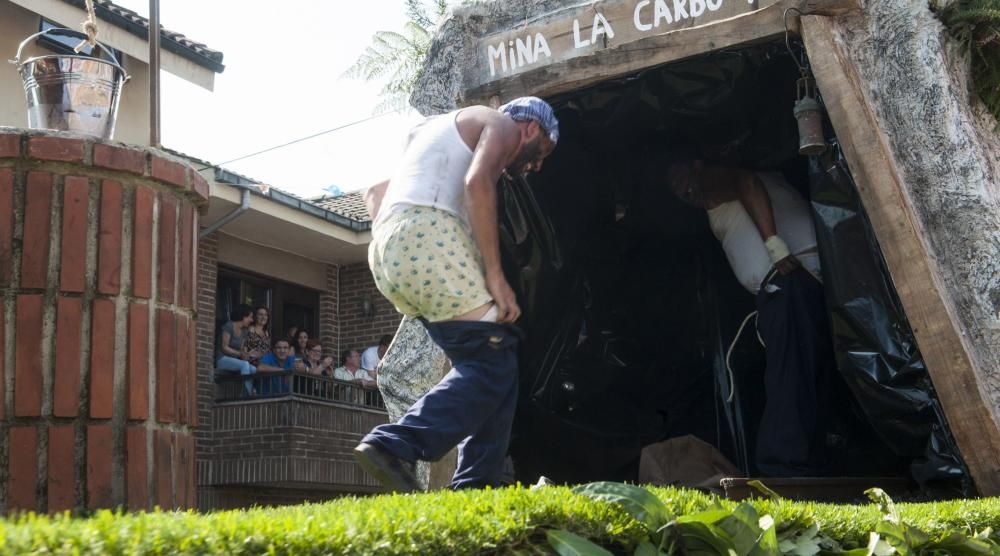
(358, 330)
(287, 450)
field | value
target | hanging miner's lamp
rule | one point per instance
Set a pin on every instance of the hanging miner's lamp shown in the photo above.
(809, 115)
(808, 111)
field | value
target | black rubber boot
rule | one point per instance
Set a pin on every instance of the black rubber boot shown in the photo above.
(394, 473)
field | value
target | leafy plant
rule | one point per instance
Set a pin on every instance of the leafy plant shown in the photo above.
(742, 531)
(399, 55)
(737, 532)
(893, 536)
(976, 24)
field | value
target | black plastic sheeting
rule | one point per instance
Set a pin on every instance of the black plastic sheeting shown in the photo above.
(629, 305)
(875, 349)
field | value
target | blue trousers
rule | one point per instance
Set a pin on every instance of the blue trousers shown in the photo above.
(227, 363)
(472, 407)
(792, 320)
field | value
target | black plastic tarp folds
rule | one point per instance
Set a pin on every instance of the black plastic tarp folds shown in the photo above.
(629, 303)
(875, 349)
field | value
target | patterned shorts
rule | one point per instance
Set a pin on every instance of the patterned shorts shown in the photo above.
(427, 265)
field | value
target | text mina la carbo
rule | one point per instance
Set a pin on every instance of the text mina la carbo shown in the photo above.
(513, 53)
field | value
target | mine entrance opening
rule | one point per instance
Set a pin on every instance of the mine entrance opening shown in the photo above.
(631, 306)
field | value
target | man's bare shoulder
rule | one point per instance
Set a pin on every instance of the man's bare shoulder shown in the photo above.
(484, 115)
(473, 120)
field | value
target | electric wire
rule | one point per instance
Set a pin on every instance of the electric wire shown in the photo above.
(301, 139)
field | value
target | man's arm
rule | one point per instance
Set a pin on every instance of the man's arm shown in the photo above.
(264, 367)
(373, 198)
(498, 143)
(365, 378)
(267, 364)
(753, 195)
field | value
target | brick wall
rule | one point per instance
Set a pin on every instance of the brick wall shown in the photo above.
(231, 498)
(208, 275)
(329, 324)
(285, 441)
(97, 265)
(356, 330)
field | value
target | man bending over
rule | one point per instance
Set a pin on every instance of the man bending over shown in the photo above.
(766, 230)
(435, 254)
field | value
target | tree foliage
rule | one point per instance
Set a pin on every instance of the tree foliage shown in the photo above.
(398, 56)
(976, 23)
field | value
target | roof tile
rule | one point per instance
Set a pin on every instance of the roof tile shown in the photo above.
(351, 205)
(116, 15)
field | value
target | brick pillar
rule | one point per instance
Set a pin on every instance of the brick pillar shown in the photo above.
(208, 276)
(97, 272)
(329, 325)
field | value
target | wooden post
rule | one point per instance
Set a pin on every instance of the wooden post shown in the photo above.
(154, 73)
(900, 230)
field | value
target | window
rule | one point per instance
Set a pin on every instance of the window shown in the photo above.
(64, 44)
(289, 305)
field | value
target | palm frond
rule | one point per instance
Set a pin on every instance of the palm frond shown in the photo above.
(398, 56)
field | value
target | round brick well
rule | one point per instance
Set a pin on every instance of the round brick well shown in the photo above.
(98, 245)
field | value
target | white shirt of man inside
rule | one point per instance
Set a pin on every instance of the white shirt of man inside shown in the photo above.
(745, 249)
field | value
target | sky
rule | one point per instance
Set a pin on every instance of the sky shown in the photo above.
(283, 81)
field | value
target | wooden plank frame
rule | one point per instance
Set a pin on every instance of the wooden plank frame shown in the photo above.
(899, 229)
(573, 73)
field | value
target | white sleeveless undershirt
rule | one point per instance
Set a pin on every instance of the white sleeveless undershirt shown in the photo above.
(431, 172)
(741, 240)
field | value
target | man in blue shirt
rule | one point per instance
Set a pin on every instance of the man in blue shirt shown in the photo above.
(279, 359)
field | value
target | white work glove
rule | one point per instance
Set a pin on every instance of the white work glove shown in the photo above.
(777, 249)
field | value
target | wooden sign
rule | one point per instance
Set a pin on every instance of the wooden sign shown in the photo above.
(593, 26)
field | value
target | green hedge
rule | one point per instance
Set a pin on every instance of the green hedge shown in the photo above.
(506, 521)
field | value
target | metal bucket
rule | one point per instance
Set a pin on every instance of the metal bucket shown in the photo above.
(70, 92)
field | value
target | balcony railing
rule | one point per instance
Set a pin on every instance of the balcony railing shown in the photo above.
(232, 387)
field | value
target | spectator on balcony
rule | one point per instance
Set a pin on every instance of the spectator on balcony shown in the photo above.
(258, 341)
(229, 354)
(291, 334)
(350, 369)
(350, 364)
(315, 362)
(279, 360)
(373, 356)
(299, 345)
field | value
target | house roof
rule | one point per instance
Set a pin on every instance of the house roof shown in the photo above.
(351, 205)
(171, 41)
(347, 210)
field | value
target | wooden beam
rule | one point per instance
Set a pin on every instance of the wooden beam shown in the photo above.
(900, 232)
(649, 51)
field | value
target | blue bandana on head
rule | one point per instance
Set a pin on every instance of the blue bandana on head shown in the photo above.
(534, 109)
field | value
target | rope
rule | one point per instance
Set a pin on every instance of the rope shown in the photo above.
(89, 27)
(729, 353)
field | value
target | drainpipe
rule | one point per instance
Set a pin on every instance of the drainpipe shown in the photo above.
(244, 205)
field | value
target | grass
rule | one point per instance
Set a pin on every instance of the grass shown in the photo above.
(504, 521)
